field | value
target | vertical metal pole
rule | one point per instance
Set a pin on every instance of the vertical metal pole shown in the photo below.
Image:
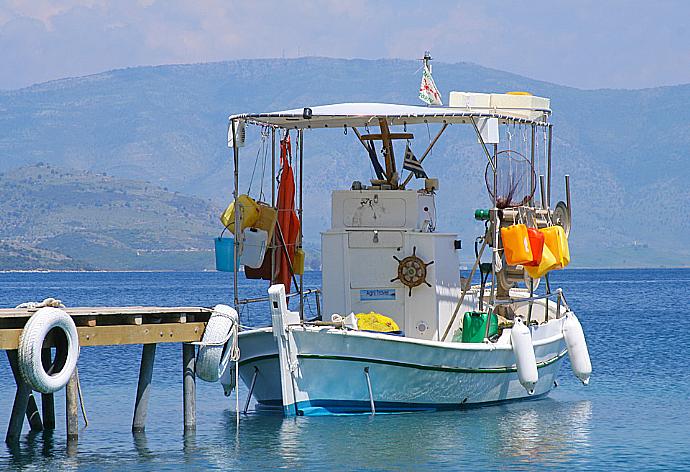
(47, 399)
(141, 405)
(71, 404)
(273, 200)
(495, 243)
(238, 232)
(301, 187)
(273, 167)
(567, 193)
(532, 183)
(548, 168)
(189, 386)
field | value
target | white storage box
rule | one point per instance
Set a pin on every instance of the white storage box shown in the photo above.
(519, 105)
(469, 100)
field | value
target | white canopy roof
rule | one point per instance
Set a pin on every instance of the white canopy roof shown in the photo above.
(362, 114)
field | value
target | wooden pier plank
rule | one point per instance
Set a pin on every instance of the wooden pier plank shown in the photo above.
(122, 334)
(111, 310)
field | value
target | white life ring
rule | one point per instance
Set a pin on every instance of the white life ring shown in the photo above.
(61, 326)
(217, 344)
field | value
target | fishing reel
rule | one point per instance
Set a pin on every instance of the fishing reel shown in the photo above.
(412, 271)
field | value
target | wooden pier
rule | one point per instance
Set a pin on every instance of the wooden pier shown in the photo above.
(106, 326)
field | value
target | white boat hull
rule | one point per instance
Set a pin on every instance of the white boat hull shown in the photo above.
(405, 374)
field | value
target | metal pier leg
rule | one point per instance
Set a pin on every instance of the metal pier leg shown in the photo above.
(251, 389)
(371, 393)
(47, 399)
(189, 386)
(71, 408)
(141, 406)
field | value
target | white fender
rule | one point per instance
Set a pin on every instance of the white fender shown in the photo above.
(31, 344)
(217, 344)
(526, 362)
(577, 347)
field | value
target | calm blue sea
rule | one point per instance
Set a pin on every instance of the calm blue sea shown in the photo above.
(635, 414)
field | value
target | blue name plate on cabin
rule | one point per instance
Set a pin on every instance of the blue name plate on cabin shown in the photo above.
(367, 295)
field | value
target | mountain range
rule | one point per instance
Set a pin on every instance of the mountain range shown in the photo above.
(164, 128)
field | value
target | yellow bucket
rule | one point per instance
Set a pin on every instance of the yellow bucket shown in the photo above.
(516, 244)
(249, 213)
(557, 242)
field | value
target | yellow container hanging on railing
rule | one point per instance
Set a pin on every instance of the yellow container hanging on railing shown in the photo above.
(298, 261)
(249, 213)
(548, 262)
(516, 244)
(557, 242)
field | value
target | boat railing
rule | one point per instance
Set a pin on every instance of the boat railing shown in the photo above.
(313, 291)
(558, 294)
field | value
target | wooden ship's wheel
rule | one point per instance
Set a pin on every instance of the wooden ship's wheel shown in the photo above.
(412, 271)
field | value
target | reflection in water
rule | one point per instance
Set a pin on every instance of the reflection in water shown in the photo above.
(545, 432)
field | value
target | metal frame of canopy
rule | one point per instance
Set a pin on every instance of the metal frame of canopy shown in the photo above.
(353, 115)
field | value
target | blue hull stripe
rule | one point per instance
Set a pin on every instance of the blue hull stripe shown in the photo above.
(357, 407)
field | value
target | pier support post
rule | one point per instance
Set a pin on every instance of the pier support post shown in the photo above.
(47, 399)
(24, 404)
(189, 386)
(71, 404)
(141, 406)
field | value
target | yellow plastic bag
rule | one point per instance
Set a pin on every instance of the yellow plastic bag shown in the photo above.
(249, 213)
(548, 262)
(516, 244)
(376, 322)
(557, 242)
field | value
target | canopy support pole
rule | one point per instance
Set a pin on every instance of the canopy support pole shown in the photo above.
(428, 149)
(548, 169)
(272, 252)
(532, 182)
(301, 187)
(494, 243)
(238, 232)
(390, 157)
(486, 150)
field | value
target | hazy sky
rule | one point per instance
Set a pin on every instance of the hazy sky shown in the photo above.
(586, 44)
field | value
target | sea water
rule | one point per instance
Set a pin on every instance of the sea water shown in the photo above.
(635, 414)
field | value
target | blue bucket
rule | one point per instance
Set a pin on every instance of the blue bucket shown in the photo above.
(225, 254)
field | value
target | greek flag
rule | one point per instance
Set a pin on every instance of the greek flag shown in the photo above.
(412, 164)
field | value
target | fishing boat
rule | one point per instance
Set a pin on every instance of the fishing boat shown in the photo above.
(399, 328)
